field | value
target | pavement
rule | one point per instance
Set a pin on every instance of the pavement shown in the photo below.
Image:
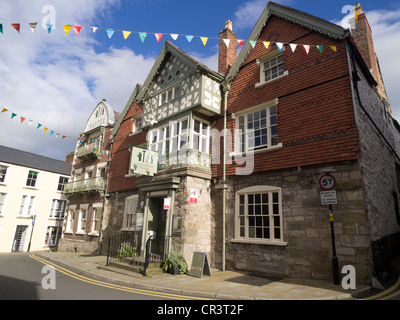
(220, 285)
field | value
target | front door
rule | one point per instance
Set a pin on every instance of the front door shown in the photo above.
(19, 238)
(156, 223)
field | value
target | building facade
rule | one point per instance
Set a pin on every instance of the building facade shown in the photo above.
(32, 203)
(88, 185)
(241, 153)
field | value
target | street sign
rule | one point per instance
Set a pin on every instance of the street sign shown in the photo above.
(328, 197)
(327, 182)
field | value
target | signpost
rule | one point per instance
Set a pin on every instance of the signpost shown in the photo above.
(328, 198)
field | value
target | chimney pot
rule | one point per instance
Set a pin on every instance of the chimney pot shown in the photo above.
(228, 25)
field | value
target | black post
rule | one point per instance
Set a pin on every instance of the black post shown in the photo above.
(335, 263)
(108, 251)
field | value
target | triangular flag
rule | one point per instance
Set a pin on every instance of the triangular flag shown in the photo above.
(226, 41)
(110, 33)
(158, 36)
(66, 27)
(266, 44)
(94, 29)
(57, 135)
(307, 48)
(204, 40)
(240, 43)
(320, 48)
(253, 43)
(22, 119)
(174, 36)
(347, 47)
(13, 115)
(293, 46)
(279, 45)
(333, 48)
(1, 27)
(64, 137)
(30, 122)
(49, 26)
(126, 34)
(32, 25)
(189, 38)
(45, 129)
(51, 132)
(39, 125)
(77, 29)
(143, 36)
(16, 26)
(4, 110)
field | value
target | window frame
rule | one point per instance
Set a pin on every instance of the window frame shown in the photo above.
(3, 205)
(275, 54)
(82, 219)
(171, 93)
(71, 220)
(239, 218)
(54, 206)
(61, 184)
(131, 202)
(4, 175)
(36, 180)
(243, 146)
(27, 206)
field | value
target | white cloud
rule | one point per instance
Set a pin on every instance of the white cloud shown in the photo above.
(246, 16)
(57, 80)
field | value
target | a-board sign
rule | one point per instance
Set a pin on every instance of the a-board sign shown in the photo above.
(200, 265)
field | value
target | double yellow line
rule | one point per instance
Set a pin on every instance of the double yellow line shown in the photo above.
(113, 286)
(385, 295)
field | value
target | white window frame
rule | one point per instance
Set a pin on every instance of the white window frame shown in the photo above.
(71, 219)
(203, 136)
(62, 185)
(252, 227)
(169, 94)
(55, 206)
(4, 182)
(137, 124)
(27, 206)
(52, 231)
(270, 57)
(243, 134)
(3, 204)
(177, 136)
(96, 208)
(82, 219)
(130, 211)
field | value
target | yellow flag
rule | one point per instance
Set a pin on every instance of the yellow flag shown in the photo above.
(333, 48)
(266, 44)
(126, 34)
(204, 39)
(67, 27)
(4, 110)
(45, 129)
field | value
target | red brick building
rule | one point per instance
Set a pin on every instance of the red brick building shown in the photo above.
(299, 101)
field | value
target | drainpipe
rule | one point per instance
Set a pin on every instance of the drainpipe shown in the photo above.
(226, 88)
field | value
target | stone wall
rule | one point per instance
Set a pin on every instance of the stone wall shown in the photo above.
(306, 226)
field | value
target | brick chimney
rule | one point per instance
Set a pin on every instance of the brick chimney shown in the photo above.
(362, 36)
(227, 55)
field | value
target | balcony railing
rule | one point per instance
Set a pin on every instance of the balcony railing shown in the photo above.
(184, 158)
(89, 149)
(87, 185)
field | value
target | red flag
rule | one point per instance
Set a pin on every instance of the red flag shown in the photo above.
(22, 119)
(158, 36)
(77, 29)
(16, 26)
(240, 42)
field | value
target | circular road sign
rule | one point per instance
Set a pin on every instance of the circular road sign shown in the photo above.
(327, 182)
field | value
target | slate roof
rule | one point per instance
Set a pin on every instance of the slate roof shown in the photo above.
(34, 161)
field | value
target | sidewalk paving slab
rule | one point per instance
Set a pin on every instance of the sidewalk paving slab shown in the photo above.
(221, 285)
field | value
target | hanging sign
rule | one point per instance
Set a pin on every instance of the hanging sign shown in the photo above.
(143, 162)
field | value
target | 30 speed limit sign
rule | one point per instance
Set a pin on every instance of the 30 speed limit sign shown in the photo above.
(327, 182)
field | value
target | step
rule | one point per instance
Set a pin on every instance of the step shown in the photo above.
(137, 266)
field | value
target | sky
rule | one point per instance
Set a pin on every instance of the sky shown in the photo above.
(56, 80)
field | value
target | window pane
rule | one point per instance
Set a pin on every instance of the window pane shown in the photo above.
(241, 199)
(275, 197)
(277, 233)
(196, 126)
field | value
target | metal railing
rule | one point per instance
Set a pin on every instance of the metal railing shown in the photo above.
(92, 184)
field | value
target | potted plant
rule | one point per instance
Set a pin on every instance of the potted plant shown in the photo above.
(175, 263)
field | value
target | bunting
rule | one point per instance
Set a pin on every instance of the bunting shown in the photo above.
(158, 36)
(38, 126)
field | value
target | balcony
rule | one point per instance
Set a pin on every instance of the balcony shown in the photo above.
(89, 150)
(183, 158)
(88, 185)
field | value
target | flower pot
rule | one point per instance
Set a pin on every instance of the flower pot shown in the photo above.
(174, 269)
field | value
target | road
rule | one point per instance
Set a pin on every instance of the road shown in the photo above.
(24, 276)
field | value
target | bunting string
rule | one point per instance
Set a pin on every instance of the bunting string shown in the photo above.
(174, 36)
(37, 125)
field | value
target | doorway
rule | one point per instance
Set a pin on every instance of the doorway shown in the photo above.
(157, 218)
(19, 238)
